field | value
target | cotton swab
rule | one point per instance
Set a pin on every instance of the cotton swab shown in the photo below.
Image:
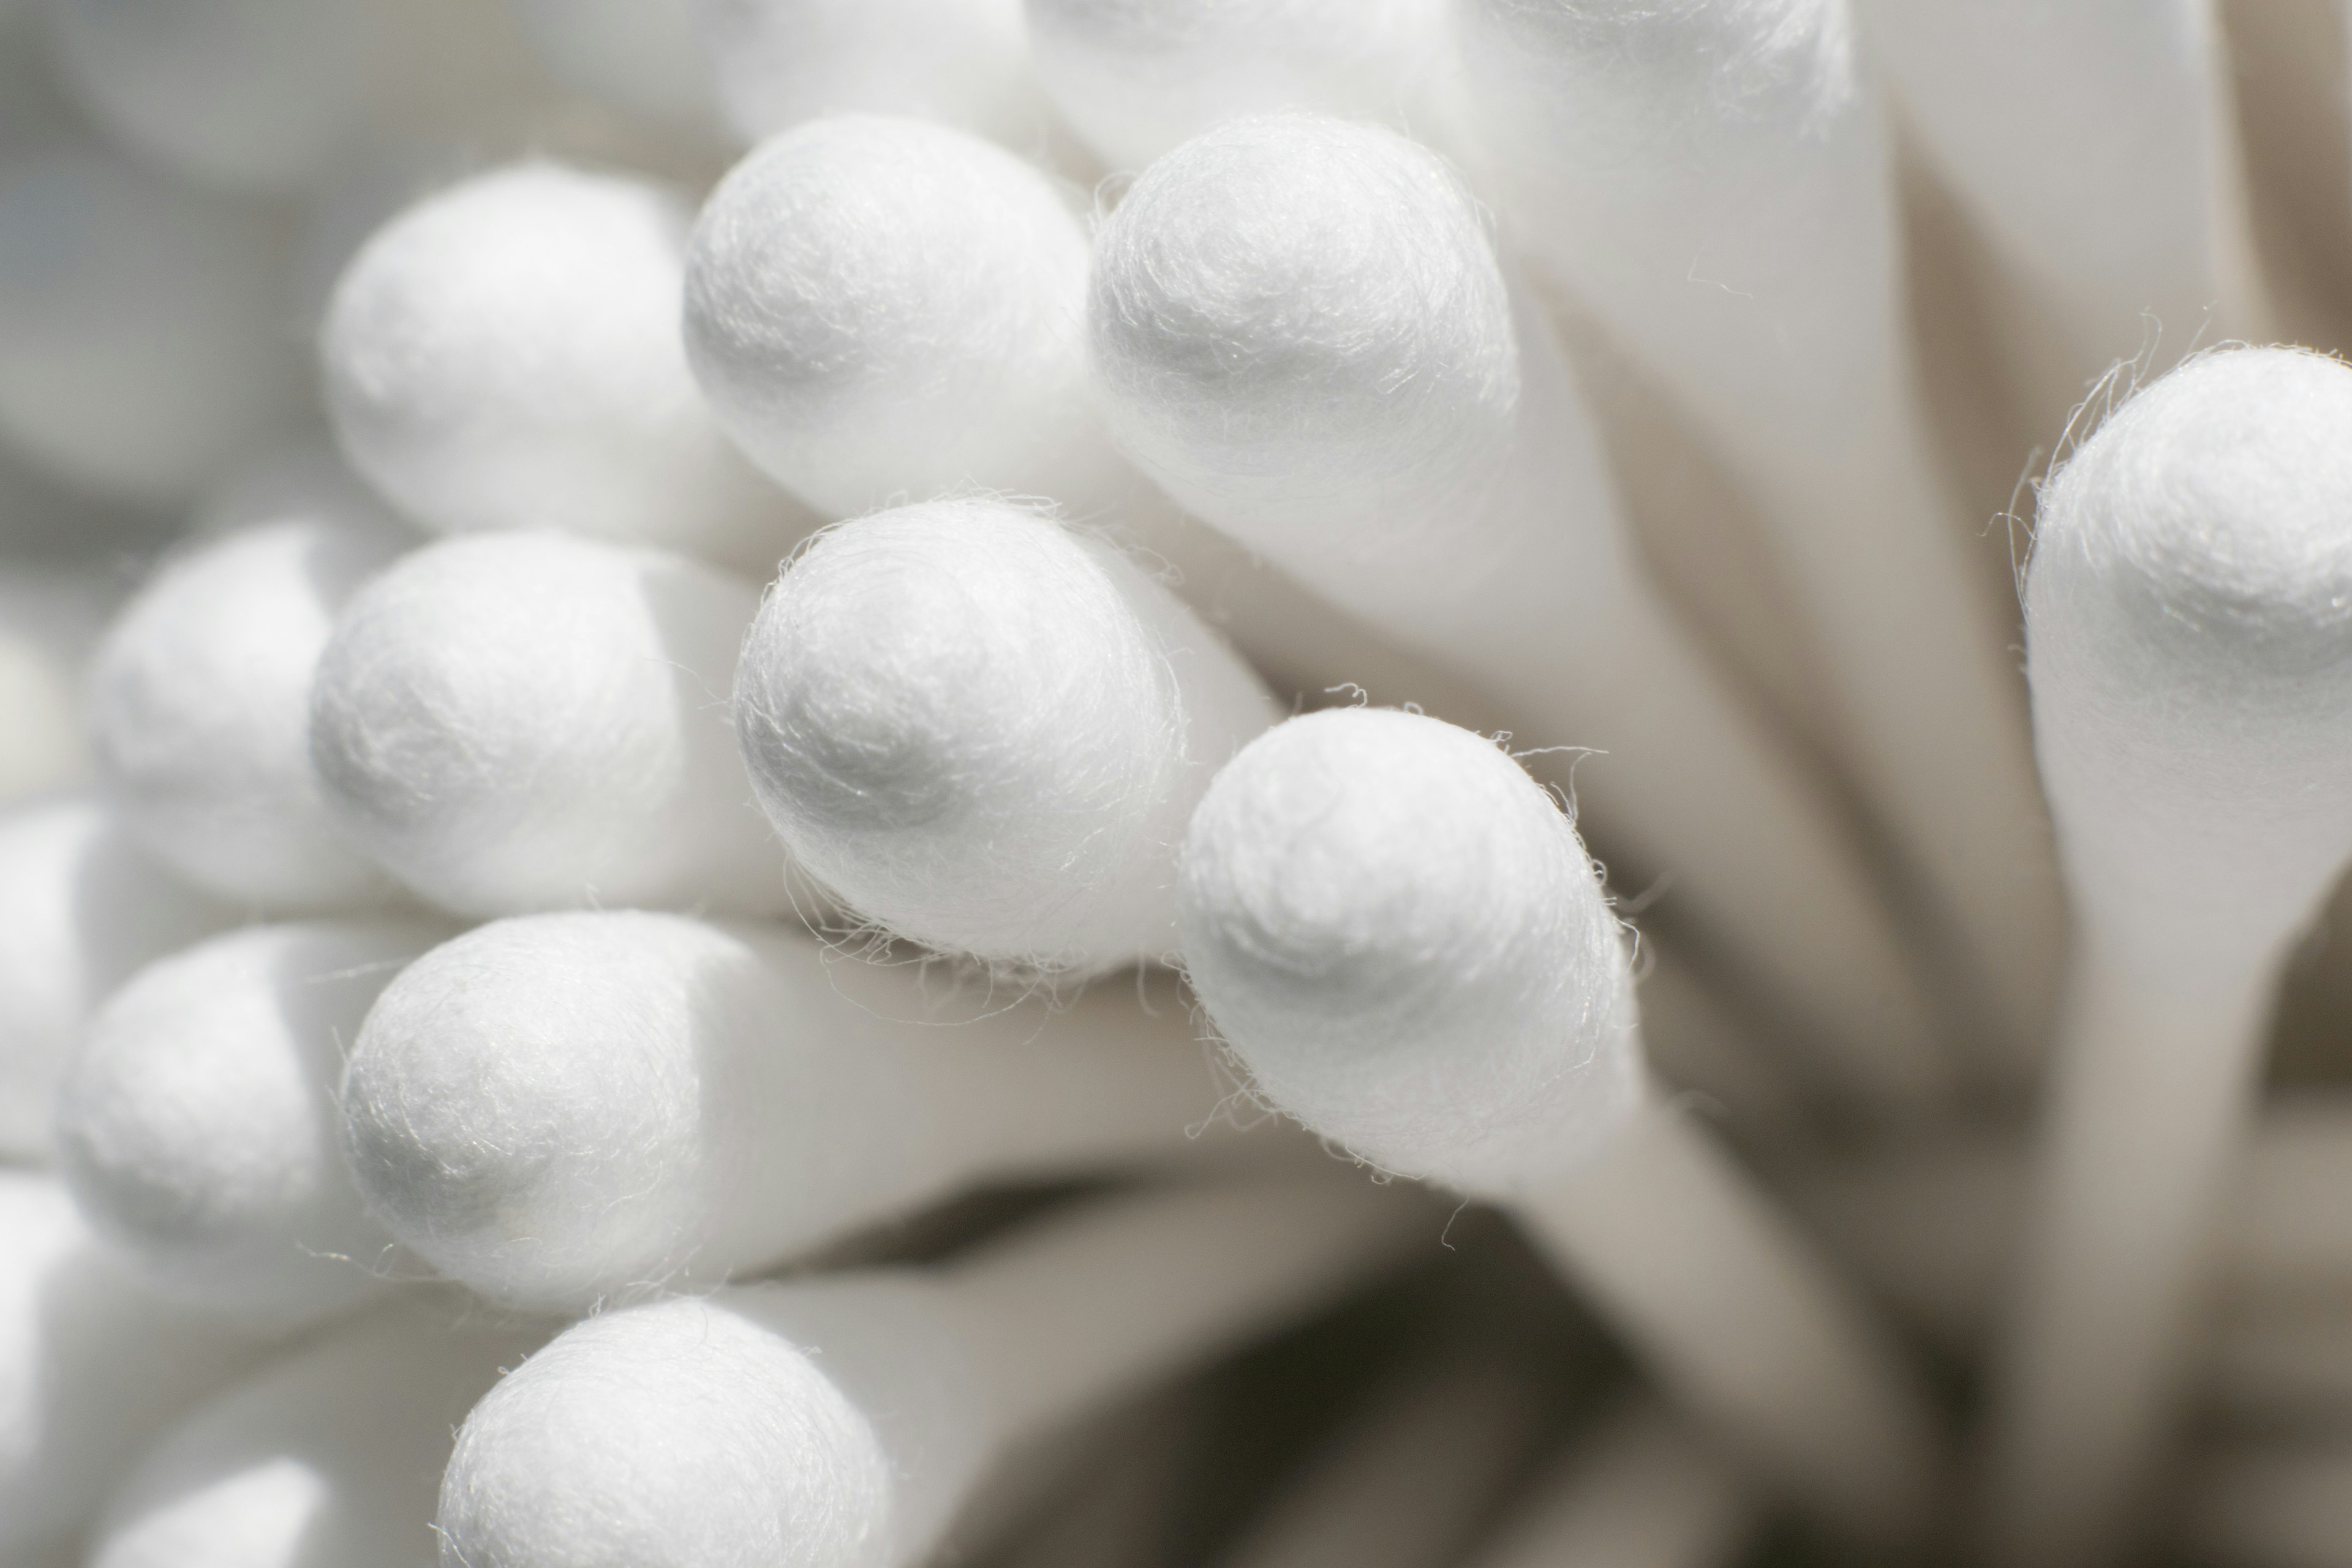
(515, 721)
(506, 354)
(961, 62)
(1638, 1491)
(92, 1365)
(1137, 77)
(1302, 332)
(642, 55)
(142, 337)
(197, 1129)
(1711, 182)
(200, 698)
(256, 96)
(2186, 643)
(986, 731)
(558, 1110)
(844, 1420)
(1399, 934)
(81, 906)
(333, 1455)
(51, 619)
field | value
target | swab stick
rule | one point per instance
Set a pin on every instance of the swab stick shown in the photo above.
(333, 1455)
(1712, 183)
(505, 354)
(1406, 944)
(524, 721)
(560, 1109)
(143, 339)
(197, 1126)
(987, 731)
(1637, 1491)
(1303, 333)
(844, 1421)
(2187, 645)
(81, 906)
(92, 1365)
(200, 698)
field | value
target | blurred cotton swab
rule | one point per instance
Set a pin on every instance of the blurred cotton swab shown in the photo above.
(51, 619)
(844, 1420)
(200, 699)
(2270, 1505)
(81, 906)
(643, 54)
(92, 1365)
(2192, 697)
(1303, 333)
(197, 1126)
(527, 720)
(332, 1456)
(560, 1109)
(986, 731)
(506, 354)
(1712, 183)
(1404, 941)
(1637, 1491)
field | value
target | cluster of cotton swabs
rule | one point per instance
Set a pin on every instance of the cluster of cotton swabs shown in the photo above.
(766, 765)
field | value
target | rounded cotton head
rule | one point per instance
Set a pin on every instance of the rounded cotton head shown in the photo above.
(146, 336)
(984, 731)
(254, 95)
(81, 906)
(2188, 618)
(198, 1125)
(200, 698)
(506, 354)
(529, 721)
(1300, 330)
(883, 308)
(1401, 938)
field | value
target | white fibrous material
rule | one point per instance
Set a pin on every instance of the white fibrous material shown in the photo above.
(961, 62)
(1399, 934)
(332, 1456)
(92, 1366)
(886, 308)
(506, 354)
(144, 340)
(81, 906)
(643, 54)
(51, 619)
(561, 1109)
(252, 95)
(200, 698)
(198, 1130)
(1137, 77)
(529, 721)
(986, 731)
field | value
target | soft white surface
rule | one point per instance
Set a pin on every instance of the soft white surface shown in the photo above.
(81, 906)
(197, 1129)
(522, 720)
(200, 698)
(506, 354)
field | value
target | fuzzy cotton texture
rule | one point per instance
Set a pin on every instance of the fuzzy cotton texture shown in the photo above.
(200, 698)
(1137, 77)
(256, 96)
(2188, 632)
(961, 62)
(92, 1365)
(516, 722)
(51, 619)
(144, 335)
(81, 906)
(1401, 937)
(197, 1126)
(885, 310)
(823, 1425)
(985, 731)
(506, 354)
(331, 1456)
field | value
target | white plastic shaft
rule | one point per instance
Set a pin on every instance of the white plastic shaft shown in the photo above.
(1638, 1490)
